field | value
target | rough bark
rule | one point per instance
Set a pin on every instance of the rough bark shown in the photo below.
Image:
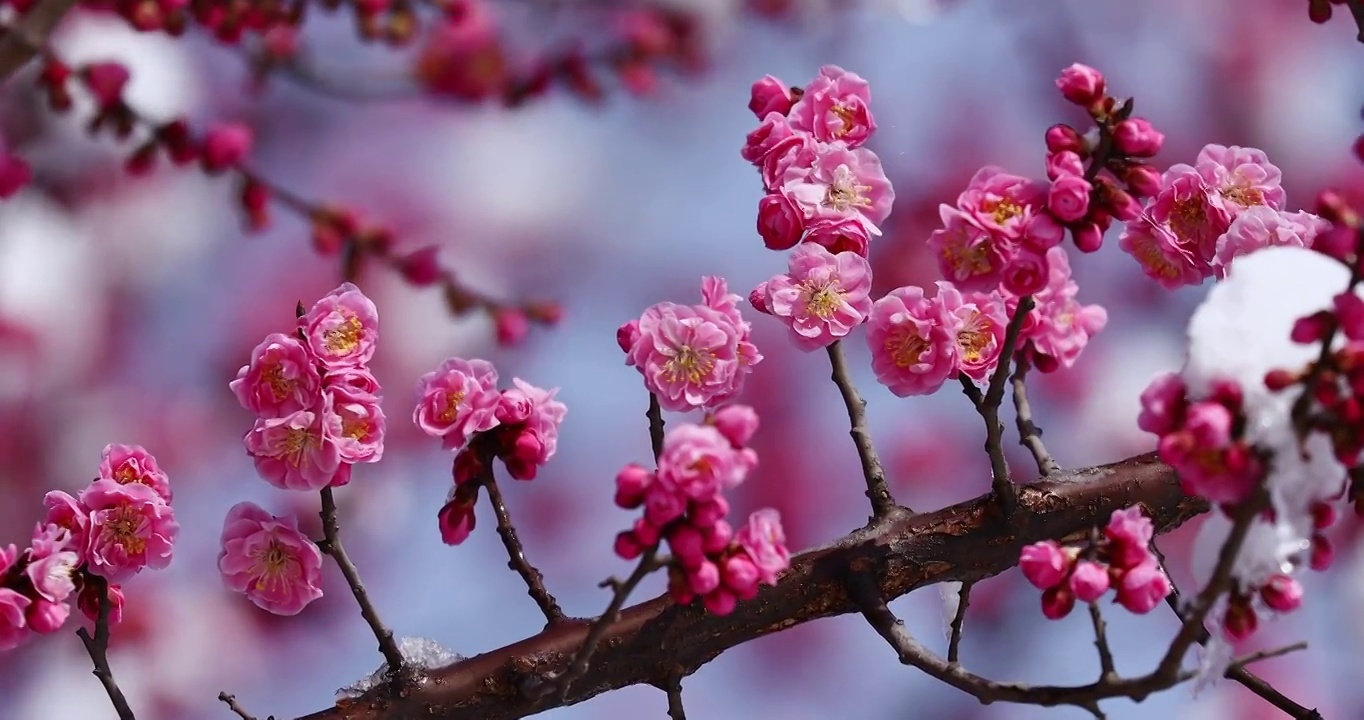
(654, 641)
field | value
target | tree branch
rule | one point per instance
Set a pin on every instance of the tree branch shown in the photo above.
(675, 709)
(98, 648)
(23, 41)
(651, 641)
(988, 407)
(958, 621)
(516, 555)
(331, 532)
(1029, 435)
(1357, 10)
(1101, 642)
(231, 702)
(882, 504)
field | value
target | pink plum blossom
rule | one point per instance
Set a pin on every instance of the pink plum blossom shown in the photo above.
(282, 378)
(1241, 177)
(133, 464)
(455, 519)
(1161, 255)
(268, 559)
(822, 297)
(839, 235)
(130, 528)
(698, 462)
(300, 451)
(457, 400)
(530, 418)
(52, 563)
(835, 107)
(1044, 564)
(1143, 587)
(361, 435)
(841, 183)
(737, 423)
(1081, 84)
(980, 327)
(1260, 227)
(763, 539)
(67, 512)
(1061, 327)
(693, 356)
(342, 328)
(969, 256)
(1088, 581)
(1129, 533)
(770, 95)
(1188, 206)
(780, 222)
(1001, 203)
(1163, 404)
(913, 341)
(768, 135)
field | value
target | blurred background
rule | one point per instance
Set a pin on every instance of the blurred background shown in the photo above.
(127, 304)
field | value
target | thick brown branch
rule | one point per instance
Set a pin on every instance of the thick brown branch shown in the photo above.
(98, 648)
(650, 642)
(516, 555)
(22, 41)
(331, 533)
(881, 501)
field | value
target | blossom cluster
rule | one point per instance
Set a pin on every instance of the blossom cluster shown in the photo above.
(1120, 560)
(1228, 203)
(684, 505)
(692, 356)
(93, 542)
(459, 403)
(318, 413)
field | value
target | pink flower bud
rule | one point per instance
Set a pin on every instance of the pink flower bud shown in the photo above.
(627, 335)
(704, 578)
(422, 267)
(1240, 621)
(512, 326)
(1359, 148)
(662, 506)
(1122, 205)
(1088, 237)
(646, 533)
(1282, 594)
(88, 601)
(706, 514)
(15, 173)
(456, 522)
(225, 146)
(1064, 138)
(1057, 602)
(631, 483)
(1089, 581)
(1143, 587)
(45, 616)
(720, 602)
(1044, 564)
(760, 300)
(1081, 84)
(1350, 313)
(716, 538)
(1323, 554)
(770, 95)
(1142, 180)
(1063, 163)
(106, 81)
(627, 546)
(1043, 232)
(1323, 515)
(1068, 198)
(1129, 533)
(741, 576)
(737, 423)
(779, 222)
(1027, 273)
(1136, 137)
(1313, 328)
(685, 542)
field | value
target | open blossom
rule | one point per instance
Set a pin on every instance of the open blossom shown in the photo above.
(299, 451)
(67, 512)
(52, 562)
(361, 434)
(765, 138)
(692, 356)
(763, 539)
(698, 462)
(839, 235)
(1241, 177)
(1261, 226)
(980, 330)
(342, 328)
(133, 464)
(281, 378)
(130, 528)
(13, 604)
(1160, 253)
(913, 341)
(457, 400)
(822, 297)
(841, 183)
(969, 256)
(835, 107)
(269, 559)
(1002, 203)
(1060, 327)
(530, 419)
(1188, 206)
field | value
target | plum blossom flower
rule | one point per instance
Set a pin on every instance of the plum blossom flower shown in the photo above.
(763, 539)
(67, 512)
(1241, 177)
(361, 436)
(980, 330)
(841, 183)
(765, 138)
(1161, 255)
(268, 559)
(1044, 564)
(52, 562)
(457, 400)
(692, 356)
(1001, 203)
(133, 464)
(969, 256)
(839, 235)
(530, 419)
(913, 341)
(282, 378)
(300, 451)
(1060, 327)
(822, 297)
(342, 328)
(1261, 226)
(835, 107)
(698, 462)
(130, 528)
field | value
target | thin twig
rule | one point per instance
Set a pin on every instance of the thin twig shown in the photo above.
(1029, 435)
(647, 564)
(98, 648)
(988, 407)
(535, 581)
(1357, 10)
(958, 620)
(1270, 653)
(231, 702)
(655, 415)
(1101, 641)
(877, 492)
(23, 41)
(331, 532)
(675, 709)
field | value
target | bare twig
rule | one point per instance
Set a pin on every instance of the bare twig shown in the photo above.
(535, 581)
(1101, 642)
(958, 620)
(576, 669)
(675, 709)
(987, 405)
(1357, 10)
(1029, 435)
(23, 41)
(231, 702)
(98, 648)
(877, 492)
(655, 415)
(331, 533)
